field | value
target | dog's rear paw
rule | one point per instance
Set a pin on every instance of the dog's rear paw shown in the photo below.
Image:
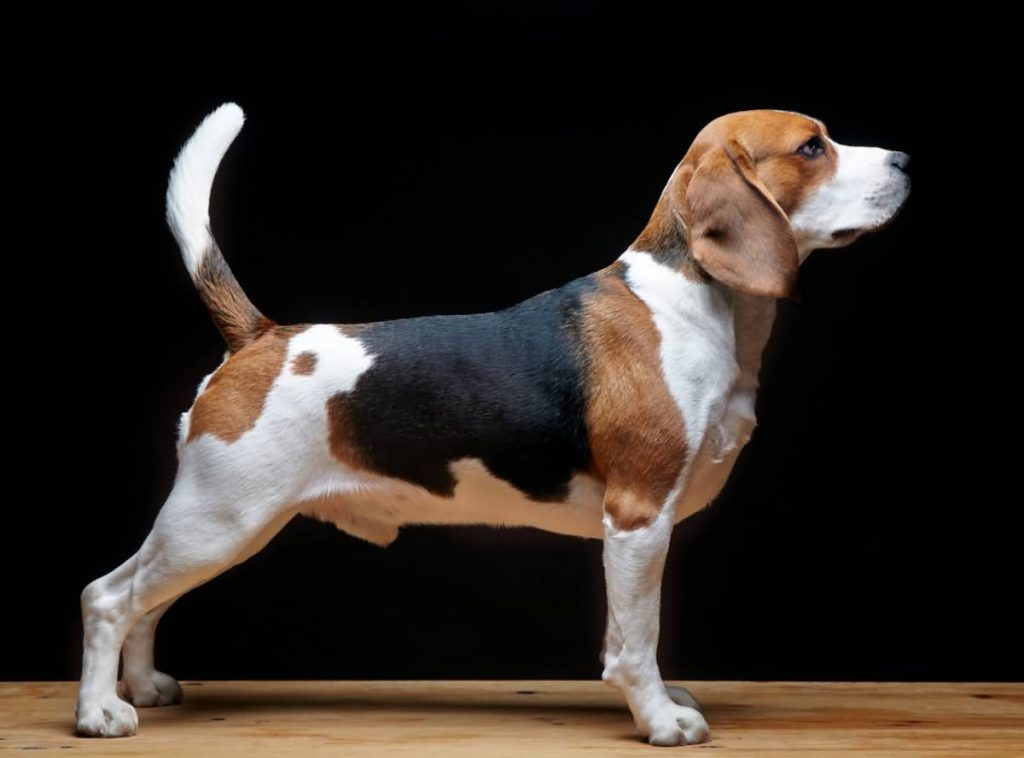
(107, 718)
(679, 726)
(154, 688)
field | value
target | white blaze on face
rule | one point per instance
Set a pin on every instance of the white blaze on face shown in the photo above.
(867, 190)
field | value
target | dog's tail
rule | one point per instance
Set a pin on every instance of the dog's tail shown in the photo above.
(188, 215)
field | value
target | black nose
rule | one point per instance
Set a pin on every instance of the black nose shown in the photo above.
(899, 160)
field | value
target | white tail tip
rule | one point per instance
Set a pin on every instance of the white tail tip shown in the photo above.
(188, 189)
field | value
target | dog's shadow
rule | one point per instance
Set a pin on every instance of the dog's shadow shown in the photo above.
(418, 703)
(554, 707)
(550, 706)
(199, 702)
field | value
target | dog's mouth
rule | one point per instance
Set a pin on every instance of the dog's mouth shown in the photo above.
(846, 235)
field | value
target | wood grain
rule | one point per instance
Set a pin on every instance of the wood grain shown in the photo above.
(538, 719)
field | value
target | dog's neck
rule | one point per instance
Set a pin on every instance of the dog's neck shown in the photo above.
(753, 317)
(665, 239)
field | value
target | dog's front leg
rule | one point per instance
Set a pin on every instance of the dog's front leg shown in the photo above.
(613, 643)
(634, 557)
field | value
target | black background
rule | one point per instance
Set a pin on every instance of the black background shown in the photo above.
(460, 162)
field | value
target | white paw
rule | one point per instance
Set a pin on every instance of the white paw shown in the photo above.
(678, 725)
(682, 696)
(154, 688)
(107, 718)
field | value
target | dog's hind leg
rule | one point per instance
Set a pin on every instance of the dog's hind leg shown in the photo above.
(194, 539)
(141, 684)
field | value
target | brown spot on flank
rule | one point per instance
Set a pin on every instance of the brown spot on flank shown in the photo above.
(304, 364)
(235, 396)
(339, 438)
(637, 435)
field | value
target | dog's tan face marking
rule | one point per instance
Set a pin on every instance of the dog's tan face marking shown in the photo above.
(723, 213)
(236, 394)
(637, 436)
(772, 142)
(304, 364)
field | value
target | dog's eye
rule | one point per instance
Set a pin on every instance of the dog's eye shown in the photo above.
(812, 148)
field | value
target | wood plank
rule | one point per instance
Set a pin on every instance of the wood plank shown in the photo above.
(539, 719)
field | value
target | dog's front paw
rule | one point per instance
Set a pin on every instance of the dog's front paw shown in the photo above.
(148, 690)
(107, 718)
(678, 725)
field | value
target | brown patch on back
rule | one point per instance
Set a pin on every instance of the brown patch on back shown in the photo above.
(304, 363)
(235, 396)
(637, 434)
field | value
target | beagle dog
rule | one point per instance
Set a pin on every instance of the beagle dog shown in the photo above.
(612, 407)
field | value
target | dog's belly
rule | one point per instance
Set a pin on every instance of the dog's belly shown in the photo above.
(373, 507)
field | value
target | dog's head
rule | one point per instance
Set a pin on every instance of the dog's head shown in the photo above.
(759, 190)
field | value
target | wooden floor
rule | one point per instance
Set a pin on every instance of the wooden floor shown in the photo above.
(537, 719)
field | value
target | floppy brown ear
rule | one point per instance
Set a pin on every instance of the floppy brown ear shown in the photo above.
(738, 233)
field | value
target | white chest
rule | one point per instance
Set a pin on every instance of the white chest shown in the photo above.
(698, 346)
(711, 375)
